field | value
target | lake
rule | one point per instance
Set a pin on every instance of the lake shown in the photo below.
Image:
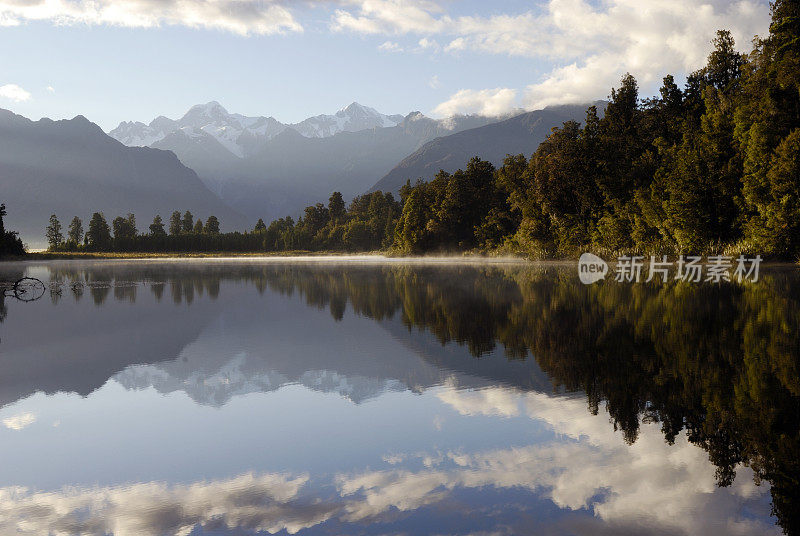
(265, 396)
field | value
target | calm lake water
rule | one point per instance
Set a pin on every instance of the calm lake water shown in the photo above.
(244, 397)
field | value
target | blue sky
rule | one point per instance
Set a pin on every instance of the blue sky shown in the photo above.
(134, 60)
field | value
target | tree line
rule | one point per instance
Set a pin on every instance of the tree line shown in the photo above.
(183, 233)
(367, 224)
(10, 242)
(713, 167)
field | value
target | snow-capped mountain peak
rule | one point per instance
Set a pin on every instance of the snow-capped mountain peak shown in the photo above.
(351, 118)
(243, 135)
(201, 115)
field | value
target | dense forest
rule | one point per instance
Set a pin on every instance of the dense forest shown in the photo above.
(713, 167)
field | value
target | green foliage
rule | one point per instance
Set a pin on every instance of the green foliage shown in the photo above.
(212, 225)
(157, 227)
(75, 232)
(714, 166)
(175, 223)
(10, 243)
(53, 233)
(98, 237)
(187, 222)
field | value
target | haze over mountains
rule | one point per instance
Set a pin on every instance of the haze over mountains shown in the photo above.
(72, 168)
(266, 169)
(236, 167)
(520, 134)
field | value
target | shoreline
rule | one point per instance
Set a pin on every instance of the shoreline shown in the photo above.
(376, 257)
(296, 256)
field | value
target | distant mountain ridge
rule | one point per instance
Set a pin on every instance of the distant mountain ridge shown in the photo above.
(519, 134)
(268, 170)
(240, 134)
(72, 168)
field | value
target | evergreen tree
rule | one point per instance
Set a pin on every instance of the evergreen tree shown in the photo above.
(157, 227)
(54, 235)
(75, 232)
(212, 225)
(336, 208)
(10, 243)
(260, 226)
(175, 224)
(187, 223)
(98, 236)
(198, 227)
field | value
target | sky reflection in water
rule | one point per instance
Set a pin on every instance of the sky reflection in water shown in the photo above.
(165, 398)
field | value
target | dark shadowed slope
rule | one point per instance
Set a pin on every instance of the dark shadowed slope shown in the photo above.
(519, 134)
(71, 168)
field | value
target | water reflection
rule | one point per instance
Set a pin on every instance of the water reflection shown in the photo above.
(488, 351)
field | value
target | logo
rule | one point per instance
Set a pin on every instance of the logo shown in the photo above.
(591, 269)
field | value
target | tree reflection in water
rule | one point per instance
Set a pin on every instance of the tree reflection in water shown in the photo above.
(719, 361)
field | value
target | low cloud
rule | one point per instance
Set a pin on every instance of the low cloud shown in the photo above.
(238, 16)
(14, 93)
(488, 102)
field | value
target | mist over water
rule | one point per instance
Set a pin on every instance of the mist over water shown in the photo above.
(367, 396)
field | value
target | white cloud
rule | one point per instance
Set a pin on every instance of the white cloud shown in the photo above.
(650, 483)
(390, 46)
(390, 17)
(239, 16)
(489, 102)
(429, 44)
(14, 92)
(51, 89)
(18, 422)
(265, 503)
(590, 46)
(434, 82)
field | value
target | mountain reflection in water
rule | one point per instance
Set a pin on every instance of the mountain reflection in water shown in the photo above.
(221, 397)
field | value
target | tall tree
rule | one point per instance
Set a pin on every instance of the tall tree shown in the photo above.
(187, 223)
(212, 225)
(54, 235)
(75, 232)
(99, 233)
(336, 207)
(175, 223)
(157, 227)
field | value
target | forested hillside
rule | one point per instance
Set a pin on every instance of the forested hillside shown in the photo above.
(710, 167)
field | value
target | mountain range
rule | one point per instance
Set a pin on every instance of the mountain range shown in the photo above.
(520, 134)
(266, 169)
(72, 168)
(240, 168)
(242, 135)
